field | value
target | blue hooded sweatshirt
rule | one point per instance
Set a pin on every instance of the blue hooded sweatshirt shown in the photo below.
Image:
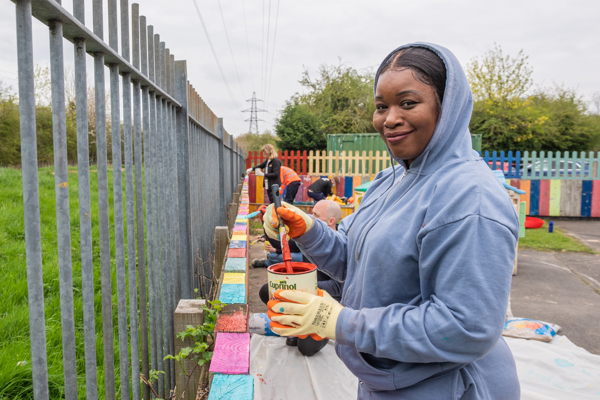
(427, 263)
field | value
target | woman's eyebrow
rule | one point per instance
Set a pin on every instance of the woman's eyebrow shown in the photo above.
(379, 97)
(408, 91)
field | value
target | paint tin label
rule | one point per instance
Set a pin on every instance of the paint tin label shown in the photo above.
(304, 278)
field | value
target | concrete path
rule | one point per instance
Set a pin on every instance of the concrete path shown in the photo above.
(587, 231)
(551, 287)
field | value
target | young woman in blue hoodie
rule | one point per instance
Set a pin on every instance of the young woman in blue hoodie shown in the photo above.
(427, 259)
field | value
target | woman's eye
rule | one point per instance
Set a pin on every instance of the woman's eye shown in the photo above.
(380, 107)
(408, 103)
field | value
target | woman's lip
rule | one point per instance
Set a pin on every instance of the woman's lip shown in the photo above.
(396, 136)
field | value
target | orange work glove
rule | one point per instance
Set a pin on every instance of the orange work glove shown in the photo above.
(296, 221)
(262, 210)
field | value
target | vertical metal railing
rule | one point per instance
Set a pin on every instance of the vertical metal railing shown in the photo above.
(180, 170)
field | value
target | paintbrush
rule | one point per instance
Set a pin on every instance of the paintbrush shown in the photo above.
(285, 247)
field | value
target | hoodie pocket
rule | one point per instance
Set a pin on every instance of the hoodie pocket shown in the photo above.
(375, 379)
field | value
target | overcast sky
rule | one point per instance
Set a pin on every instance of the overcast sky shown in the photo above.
(562, 39)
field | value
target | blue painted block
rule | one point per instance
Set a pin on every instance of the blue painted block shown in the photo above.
(237, 244)
(586, 198)
(226, 387)
(534, 197)
(235, 265)
(348, 186)
(233, 293)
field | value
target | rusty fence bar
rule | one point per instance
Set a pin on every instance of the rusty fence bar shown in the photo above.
(180, 169)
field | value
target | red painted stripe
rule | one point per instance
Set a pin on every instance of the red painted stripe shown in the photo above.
(252, 188)
(544, 197)
(596, 199)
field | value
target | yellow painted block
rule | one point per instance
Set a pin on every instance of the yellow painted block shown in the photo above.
(260, 190)
(239, 237)
(555, 197)
(526, 186)
(234, 278)
(241, 221)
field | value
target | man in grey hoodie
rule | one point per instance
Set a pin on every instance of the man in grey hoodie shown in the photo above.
(427, 258)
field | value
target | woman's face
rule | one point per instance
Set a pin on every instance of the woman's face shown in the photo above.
(406, 112)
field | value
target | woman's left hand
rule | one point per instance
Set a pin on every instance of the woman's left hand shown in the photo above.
(303, 313)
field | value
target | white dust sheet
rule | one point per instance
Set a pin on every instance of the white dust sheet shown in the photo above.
(558, 370)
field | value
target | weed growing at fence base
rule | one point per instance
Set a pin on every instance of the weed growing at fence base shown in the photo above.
(15, 375)
(540, 239)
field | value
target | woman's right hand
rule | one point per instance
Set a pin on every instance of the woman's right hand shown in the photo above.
(296, 221)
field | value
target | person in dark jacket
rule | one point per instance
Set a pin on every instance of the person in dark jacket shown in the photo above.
(270, 167)
(321, 188)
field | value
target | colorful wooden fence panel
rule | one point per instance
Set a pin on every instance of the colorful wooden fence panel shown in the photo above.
(516, 165)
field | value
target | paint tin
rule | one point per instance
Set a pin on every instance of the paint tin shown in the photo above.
(304, 278)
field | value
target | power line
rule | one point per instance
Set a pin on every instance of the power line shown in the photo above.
(230, 49)
(273, 51)
(264, 88)
(215, 56)
(247, 45)
(262, 48)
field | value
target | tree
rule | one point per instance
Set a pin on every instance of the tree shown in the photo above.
(255, 141)
(339, 100)
(298, 129)
(549, 119)
(499, 77)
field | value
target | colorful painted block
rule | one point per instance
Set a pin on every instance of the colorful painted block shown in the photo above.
(236, 253)
(239, 237)
(233, 293)
(237, 244)
(555, 194)
(596, 199)
(348, 187)
(231, 354)
(235, 265)
(241, 221)
(233, 318)
(234, 278)
(227, 387)
(534, 198)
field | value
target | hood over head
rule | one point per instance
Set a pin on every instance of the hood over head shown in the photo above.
(451, 138)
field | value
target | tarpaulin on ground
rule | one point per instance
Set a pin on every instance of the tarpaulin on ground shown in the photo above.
(557, 370)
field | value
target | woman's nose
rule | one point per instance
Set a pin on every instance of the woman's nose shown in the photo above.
(393, 118)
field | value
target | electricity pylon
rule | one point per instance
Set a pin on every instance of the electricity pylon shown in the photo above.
(253, 110)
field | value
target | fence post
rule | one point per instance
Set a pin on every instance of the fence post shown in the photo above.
(221, 179)
(183, 176)
(31, 202)
(188, 312)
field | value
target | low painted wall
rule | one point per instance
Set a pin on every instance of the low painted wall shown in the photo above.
(560, 198)
(345, 188)
(544, 197)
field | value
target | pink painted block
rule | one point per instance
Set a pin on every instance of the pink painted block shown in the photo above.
(232, 354)
(596, 198)
(236, 253)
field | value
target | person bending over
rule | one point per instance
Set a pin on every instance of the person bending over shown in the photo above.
(321, 188)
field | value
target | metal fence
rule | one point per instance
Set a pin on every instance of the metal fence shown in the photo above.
(181, 168)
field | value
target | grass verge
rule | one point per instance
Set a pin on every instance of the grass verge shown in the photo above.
(15, 356)
(540, 239)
